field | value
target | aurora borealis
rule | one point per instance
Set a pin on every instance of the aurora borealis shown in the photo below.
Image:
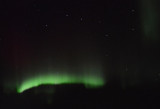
(90, 81)
(77, 54)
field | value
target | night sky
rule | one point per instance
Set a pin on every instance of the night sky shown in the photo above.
(115, 40)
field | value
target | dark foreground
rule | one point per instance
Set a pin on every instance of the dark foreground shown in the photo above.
(77, 97)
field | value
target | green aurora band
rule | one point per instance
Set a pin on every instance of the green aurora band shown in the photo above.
(51, 79)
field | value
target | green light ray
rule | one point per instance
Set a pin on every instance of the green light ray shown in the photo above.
(50, 79)
(150, 20)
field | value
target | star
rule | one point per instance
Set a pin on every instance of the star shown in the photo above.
(132, 29)
(132, 10)
(106, 35)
